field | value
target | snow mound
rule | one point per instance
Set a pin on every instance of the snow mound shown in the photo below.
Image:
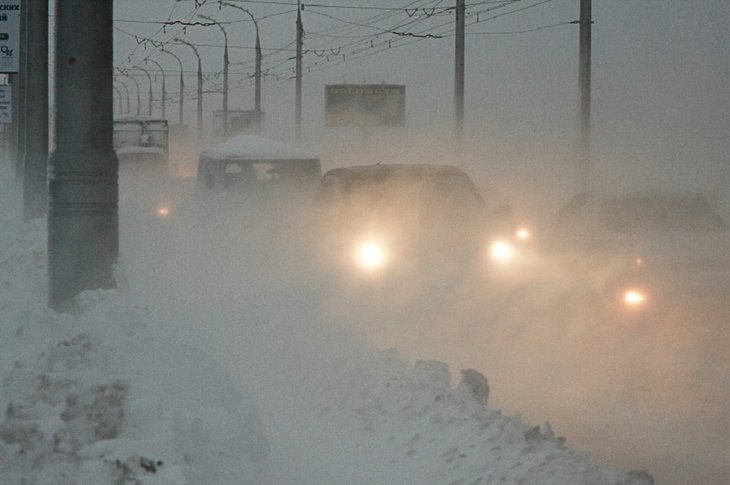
(105, 397)
(97, 398)
(409, 424)
(111, 404)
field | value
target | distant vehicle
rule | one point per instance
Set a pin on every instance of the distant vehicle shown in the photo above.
(141, 142)
(641, 248)
(411, 220)
(252, 166)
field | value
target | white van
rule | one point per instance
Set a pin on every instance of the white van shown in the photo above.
(257, 166)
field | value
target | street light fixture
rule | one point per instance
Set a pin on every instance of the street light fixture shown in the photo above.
(125, 73)
(164, 92)
(182, 84)
(200, 86)
(119, 97)
(257, 73)
(149, 96)
(225, 72)
(126, 89)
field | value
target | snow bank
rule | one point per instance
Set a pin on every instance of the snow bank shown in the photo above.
(103, 397)
(97, 398)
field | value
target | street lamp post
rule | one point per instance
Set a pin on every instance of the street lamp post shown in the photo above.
(126, 89)
(163, 90)
(119, 98)
(149, 95)
(200, 86)
(136, 83)
(257, 72)
(225, 73)
(182, 85)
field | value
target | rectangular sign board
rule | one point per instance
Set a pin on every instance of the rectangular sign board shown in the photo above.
(239, 122)
(365, 105)
(9, 36)
(6, 105)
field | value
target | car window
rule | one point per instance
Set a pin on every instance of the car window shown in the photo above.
(430, 199)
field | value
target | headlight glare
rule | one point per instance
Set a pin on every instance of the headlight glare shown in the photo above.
(370, 255)
(501, 252)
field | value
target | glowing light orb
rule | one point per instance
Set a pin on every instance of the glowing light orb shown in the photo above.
(635, 298)
(523, 234)
(502, 251)
(371, 256)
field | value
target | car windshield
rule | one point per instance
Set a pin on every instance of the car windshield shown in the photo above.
(433, 197)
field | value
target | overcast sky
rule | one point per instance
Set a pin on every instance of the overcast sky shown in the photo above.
(660, 95)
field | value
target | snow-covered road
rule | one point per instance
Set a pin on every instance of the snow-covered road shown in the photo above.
(650, 396)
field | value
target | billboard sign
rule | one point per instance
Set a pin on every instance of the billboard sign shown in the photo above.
(365, 105)
(239, 122)
(9, 36)
(6, 104)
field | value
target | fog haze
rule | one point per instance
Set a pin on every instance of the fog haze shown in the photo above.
(651, 395)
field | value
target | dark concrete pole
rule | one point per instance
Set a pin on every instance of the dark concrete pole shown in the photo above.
(126, 90)
(257, 81)
(459, 76)
(226, 64)
(19, 91)
(83, 225)
(163, 90)
(298, 76)
(200, 86)
(257, 72)
(182, 87)
(584, 149)
(35, 183)
(136, 83)
(149, 92)
(120, 108)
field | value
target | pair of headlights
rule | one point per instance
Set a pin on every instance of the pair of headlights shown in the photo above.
(373, 254)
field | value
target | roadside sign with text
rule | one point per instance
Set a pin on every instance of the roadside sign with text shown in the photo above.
(365, 105)
(9, 36)
(6, 106)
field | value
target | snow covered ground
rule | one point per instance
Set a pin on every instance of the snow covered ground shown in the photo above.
(130, 392)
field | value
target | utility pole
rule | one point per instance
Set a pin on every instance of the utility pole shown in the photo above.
(200, 86)
(459, 77)
(181, 89)
(226, 64)
(35, 179)
(136, 83)
(120, 109)
(126, 90)
(16, 79)
(19, 92)
(83, 217)
(163, 90)
(584, 78)
(257, 71)
(298, 89)
(149, 93)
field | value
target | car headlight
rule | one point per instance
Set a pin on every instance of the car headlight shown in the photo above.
(163, 211)
(523, 234)
(371, 255)
(502, 251)
(635, 298)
